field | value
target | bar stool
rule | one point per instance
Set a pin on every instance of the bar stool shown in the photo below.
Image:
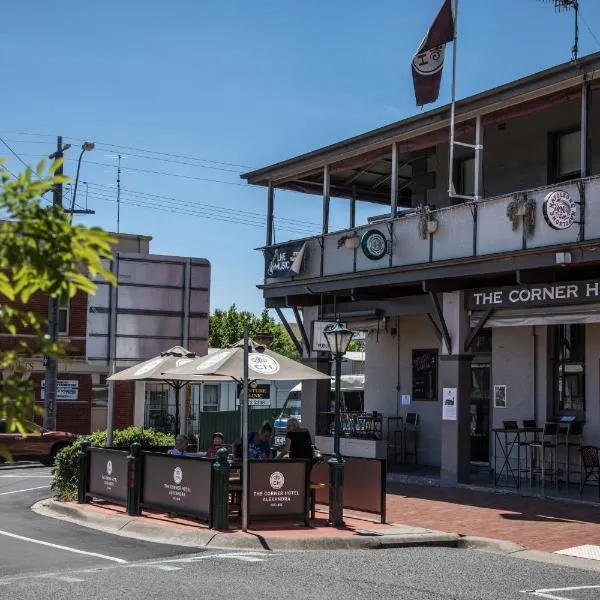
(572, 431)
(538, 451)
(395, 431)
(529, 428)
(411, 429)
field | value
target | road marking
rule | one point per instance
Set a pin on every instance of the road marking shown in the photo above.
(70, 579)
(24, 476)
(65, 548)
(167, 568)
(40, 487)
(547, 593)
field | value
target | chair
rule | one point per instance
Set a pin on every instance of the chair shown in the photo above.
(572, 431)
(549, 441)
(590, 461)
(529, 428)
(395, 430)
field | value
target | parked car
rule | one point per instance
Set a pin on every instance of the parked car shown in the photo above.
(39, 445)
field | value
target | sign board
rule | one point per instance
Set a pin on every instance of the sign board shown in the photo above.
(424, 374)
(66, 389)
(559, 210)
(284, 261)
(177, 484)
(278, 489)
(259, 394)
(449, 398)
(108, 474)
(319, 342)
(539, 294)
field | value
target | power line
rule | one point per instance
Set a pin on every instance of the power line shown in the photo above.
(589, 28)
(14, 153)
(195, 205)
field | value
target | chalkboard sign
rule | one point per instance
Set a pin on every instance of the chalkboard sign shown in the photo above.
(424, 374)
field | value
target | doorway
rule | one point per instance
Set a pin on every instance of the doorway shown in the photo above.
(481, 377)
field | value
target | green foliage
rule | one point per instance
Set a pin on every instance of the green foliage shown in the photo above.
(357, 346)
(65, 476)
(41, 251)
(226, 327)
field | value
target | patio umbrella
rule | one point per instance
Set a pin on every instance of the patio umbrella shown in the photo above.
(243, 362)
(152, 370)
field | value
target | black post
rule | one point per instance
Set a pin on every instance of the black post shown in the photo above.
(336, 462)
(177, 390)
(134, 480)
(220, 491)
(82, 485)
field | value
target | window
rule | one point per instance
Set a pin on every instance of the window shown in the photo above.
(568, 369)
(159, 413)
(566, 156)
(63, 316)
(210, 400)
(99, 396)
(466, 177)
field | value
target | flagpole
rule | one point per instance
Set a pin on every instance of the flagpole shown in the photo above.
(451, 189)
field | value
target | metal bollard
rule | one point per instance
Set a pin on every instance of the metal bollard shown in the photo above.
(134, 480)
(82, 484)
(220, 491)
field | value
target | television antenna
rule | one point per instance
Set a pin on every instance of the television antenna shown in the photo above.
(567, 5)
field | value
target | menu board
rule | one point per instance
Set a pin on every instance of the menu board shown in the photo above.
(424, 374)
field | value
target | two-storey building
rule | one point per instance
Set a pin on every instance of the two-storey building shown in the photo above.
(477, 311)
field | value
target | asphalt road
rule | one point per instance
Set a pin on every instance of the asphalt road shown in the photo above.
(90, 564)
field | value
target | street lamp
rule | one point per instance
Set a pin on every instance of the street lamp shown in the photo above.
(338, 338)
(85, 147)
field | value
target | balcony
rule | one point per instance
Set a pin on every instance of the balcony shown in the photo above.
(474, 229)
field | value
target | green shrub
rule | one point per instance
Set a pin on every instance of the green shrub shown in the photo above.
(65, 475)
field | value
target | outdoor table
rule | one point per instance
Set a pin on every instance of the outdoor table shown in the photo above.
(509, 441)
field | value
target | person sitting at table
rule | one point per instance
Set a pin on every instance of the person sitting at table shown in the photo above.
(298, 444)
(181, 444)
(259, 442)
(218, 442)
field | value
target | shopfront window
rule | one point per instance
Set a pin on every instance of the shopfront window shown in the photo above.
(210, 401)
(568, 361)
(159, 410)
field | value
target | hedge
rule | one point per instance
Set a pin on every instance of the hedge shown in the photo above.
(65, 475)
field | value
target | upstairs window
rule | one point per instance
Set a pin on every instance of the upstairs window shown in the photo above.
(566, 156)
(63, 315)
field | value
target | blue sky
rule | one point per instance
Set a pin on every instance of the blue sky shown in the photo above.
(241, 84)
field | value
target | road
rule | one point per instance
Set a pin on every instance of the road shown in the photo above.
(80, 562)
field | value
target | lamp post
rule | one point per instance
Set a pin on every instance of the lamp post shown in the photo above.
(338, 338)
(85, 147)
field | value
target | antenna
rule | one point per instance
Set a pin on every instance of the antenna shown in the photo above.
(564, 5)
(118, 157)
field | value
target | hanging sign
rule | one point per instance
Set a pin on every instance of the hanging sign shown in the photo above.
(66, 389)
(284, 261)
(559, 210)
(259, 394)
(374, 244)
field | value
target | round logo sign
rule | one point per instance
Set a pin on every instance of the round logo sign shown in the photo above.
(374, 244)
(109, 467)
(149, 366)
(177, 475)
(559, 210)
(430, 61)
(263, 364)
(276, 480)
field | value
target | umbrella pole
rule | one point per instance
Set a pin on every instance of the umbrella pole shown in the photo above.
(177, 390)
(244, 407)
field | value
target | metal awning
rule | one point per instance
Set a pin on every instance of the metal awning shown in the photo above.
(560, 315)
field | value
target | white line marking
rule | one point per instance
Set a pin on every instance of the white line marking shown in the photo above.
(167, 568)
(70, 579)
(545, 593)
(40, 487)
(66, 548)
(24, 476)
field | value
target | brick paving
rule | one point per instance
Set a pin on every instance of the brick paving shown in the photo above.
(536, 523)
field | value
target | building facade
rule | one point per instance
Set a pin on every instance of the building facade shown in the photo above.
(481, 306)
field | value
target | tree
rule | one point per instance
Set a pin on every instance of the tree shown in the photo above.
(357, 346)
(226, 327)
(41, 251)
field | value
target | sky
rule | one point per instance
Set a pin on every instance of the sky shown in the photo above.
(193, 92)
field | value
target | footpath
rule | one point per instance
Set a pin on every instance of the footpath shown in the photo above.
(555, 531)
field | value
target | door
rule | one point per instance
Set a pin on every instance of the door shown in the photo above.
(480, 412)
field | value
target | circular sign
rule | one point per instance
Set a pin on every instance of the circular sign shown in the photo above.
(263, 364)
(374, 245)
(149, 366)
(109, 467)
(559, 210)
(430, 61)
(277, 480)
(177, 475)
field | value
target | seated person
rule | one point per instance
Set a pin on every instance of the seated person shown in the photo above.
(181, 444)
(259, 442)
(218, 442)
(297, 441)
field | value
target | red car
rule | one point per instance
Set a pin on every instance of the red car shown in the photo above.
(39, 445)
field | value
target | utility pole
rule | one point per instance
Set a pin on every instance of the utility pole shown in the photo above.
(51, 363)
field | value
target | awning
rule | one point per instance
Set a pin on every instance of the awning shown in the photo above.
(560, 315)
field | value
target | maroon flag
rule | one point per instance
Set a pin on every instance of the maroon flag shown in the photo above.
(428, 62)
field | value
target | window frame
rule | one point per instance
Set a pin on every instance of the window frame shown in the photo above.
(213, 407)
(64, 306)
(554, 155)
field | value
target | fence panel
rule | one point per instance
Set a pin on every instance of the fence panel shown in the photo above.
(108, 474)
